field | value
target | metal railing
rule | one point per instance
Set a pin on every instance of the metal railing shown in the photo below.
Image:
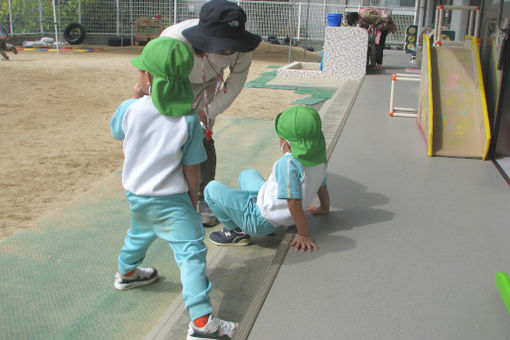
(296, 20)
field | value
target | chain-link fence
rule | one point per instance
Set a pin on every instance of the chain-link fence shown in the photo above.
(118, 18)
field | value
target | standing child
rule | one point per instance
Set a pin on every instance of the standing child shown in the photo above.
(162, 143)
(262, 207)
(4, 45)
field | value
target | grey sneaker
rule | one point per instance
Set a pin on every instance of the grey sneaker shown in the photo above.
(206, 215)
(142, 276)
(214, 329)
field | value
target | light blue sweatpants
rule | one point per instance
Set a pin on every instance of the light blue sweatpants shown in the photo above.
(238, 208)
(173, 219)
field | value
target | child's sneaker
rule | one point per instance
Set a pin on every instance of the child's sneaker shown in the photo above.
(227, 237)
(206, 215)
(142, 276)
(214, 329)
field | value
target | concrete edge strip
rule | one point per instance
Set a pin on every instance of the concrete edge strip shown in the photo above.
(177, 308)
(249, 318)
(340, 123)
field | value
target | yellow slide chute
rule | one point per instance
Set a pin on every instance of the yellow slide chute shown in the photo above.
(452, 110)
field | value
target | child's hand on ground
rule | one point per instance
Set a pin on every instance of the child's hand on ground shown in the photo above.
(316, 210)
(304, 243)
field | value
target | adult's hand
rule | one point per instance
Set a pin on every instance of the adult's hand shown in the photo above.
(137, 91)
(203, 117)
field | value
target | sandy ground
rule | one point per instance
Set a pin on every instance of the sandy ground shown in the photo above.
(54, 121)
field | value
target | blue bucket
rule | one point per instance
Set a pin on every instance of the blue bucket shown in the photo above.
(334, 19)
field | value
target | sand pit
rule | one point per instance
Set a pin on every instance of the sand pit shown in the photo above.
(55, 112)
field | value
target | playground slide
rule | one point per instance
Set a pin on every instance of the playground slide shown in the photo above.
(452, 111)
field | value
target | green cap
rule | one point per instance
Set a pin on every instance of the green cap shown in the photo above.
(301, 126)
(169, 61)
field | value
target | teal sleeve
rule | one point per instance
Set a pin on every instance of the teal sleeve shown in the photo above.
(324, 182)
(116, 121)
(193, 149)
(289, 173)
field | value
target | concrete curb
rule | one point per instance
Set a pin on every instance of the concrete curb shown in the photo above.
(334, 115)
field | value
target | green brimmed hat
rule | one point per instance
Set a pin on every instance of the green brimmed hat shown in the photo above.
(169, 61)
(302, 127)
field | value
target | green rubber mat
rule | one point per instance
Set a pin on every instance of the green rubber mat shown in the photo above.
(57, 280)
(317, 95)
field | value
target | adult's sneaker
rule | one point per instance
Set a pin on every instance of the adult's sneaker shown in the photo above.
(206, 215)
(226, 237)
(214, 329)
(142, 276)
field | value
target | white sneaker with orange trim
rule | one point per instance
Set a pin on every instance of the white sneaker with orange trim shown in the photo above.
(142, 276)
(214, 329)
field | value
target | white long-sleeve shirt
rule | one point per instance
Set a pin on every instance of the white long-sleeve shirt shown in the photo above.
(234, 83)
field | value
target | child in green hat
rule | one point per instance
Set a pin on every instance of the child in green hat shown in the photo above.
(162, 143)
(262, 207)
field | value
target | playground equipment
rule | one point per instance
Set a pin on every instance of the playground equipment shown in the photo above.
(452, 110)
(401, 111)
(503, 284)
(473, 29)
(148, 28)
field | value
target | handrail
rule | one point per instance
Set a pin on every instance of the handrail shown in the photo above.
(430, 139)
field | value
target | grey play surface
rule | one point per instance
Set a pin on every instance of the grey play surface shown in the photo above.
(412, 244)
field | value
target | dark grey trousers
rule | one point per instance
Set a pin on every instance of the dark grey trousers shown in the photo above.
(207, 168)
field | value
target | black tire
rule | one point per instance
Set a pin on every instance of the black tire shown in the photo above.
(118, 41)
(75, 33)
(412, 30)
(273, 40)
